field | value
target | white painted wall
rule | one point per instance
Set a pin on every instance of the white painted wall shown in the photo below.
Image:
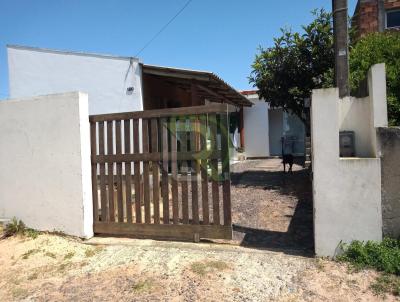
(256, 128)
(364, 115)
(45, 177)
(354, 115)
(347, 191)
(35, 72)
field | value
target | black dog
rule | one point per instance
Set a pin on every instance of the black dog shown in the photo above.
(287, 159)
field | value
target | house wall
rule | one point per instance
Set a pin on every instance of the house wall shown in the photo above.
(45, 177)
(256, 129)
(347, 191)
(370, 15)
(275, 131)
(35, 72)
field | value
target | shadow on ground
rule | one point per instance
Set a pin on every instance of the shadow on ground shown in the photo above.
(298, 239)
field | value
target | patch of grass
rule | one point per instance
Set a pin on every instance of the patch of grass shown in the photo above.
(51, 255)
(29, 253)
(17, 227)
(63, 267)
(386, 284)
(33, 276)
(91, 252)
(203, 268)
(383, 256)
(143, 286)
(319, 264)
(19, 292)
(31, 233)
(69, 255)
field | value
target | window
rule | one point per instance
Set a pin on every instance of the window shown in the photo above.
(393, 19)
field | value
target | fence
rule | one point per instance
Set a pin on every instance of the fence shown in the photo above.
(162, 173)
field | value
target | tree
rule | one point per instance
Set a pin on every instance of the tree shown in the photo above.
(286, 73)
(379, 48)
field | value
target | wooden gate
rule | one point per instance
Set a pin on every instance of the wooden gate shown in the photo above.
(162, 173)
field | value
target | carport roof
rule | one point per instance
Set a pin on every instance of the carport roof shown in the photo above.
(210, 86)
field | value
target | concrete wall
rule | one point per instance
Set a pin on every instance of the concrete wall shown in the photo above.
(389, 141)
(354, 115)
(45, 175)
(35, 72)
(256, 129)
(347, 191)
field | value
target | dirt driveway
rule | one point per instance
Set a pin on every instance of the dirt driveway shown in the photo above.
(271, 209)
(269, 262)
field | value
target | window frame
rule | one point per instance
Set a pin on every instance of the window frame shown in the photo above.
(386, 18)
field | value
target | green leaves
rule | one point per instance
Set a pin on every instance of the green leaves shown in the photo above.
(384, 256)
(286, 73)
(379, 48)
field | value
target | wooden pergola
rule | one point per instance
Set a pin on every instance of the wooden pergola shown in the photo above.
(199, 86)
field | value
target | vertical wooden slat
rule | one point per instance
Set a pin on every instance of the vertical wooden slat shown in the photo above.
(120, 206)
(110, 170)
(226, 184)
(93, 140)
(164, 182)
(146, 184)
(204, 172)
(136, 149)
(155, 170)
(194, 136)
(214, 169)
(128, 187)
(184, 173)
(174, 170)
(103, 189)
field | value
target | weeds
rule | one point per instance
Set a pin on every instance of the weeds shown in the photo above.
(386, 284)
(33, 276)
(29, 253)
(19, 292)
(91, 252)
(17, 227)
(203, 268)
(142, 286)
(50, 254)
(69, 255)
(383, 256)
(31, 233)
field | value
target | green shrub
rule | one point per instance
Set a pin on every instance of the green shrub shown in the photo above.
(379, 48)
(383, 256)
(17, 227)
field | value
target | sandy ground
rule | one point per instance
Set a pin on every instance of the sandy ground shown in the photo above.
(270, 258)
(53, 268)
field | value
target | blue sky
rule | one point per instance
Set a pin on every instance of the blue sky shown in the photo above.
(220, 36)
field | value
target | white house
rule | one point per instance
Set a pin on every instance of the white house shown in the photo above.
(264, 127)
(121, 84)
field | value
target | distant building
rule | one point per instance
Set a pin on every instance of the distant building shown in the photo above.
(265, 127)
(376, 16)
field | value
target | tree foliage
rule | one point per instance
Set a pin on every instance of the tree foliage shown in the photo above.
(286, 73)
(379, 48)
